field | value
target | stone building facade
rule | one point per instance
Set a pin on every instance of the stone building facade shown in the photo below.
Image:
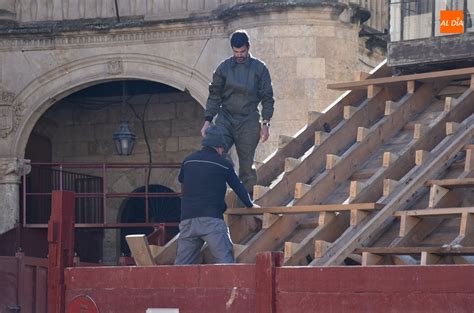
(51, 49)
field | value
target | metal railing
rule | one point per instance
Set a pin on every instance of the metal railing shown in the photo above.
(91, 192)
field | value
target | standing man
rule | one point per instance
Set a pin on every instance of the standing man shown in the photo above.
(203, 176)
(239, 84)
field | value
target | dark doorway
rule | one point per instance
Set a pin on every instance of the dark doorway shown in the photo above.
(161, 210)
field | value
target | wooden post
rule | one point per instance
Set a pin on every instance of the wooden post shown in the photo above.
(448, 104)
(290, 164)
(319, 137)
(469, 163)
(411, 86)
(313, 116)
(301, 189)
(361, 133)
(61, 247)
(436, 194)
(349, 111)
(390, 107)
(472, 81)
(419, 130)
(407, 223)
(429, 258)
(451, 128)
(422, 156)
(283, 141)
(372, 90)
(259, 191)
(331, 160)
(265, 281)
(320, 248)
(370, 258)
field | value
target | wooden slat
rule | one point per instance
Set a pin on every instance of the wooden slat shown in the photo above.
(417, 250)
(452, 182)
(301, 209)
(436, 212)
(436, 194)
(140, 249)
(387, 81)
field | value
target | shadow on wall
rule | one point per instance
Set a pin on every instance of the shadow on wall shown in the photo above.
(161, 210)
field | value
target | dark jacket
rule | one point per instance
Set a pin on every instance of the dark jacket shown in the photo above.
(204, 175)
(237, 89)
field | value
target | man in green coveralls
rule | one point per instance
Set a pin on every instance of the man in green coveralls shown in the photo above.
(239, 84)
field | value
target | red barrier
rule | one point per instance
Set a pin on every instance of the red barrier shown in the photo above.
(61, 247)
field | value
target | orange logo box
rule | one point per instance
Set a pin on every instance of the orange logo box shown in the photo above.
(451, 22)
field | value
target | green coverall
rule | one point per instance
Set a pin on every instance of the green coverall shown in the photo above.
(234, 95)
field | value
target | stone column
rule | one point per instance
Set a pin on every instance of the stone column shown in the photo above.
(11, 170)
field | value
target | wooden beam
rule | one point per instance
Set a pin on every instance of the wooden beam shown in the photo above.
(268, 220)
(472, 82)
(436, 193)
(469, 161)
(411, 84)
(361, 76)
(447, 212)
(155, 250)
(290, 249)
(391, 106)
(372, 90)
(319, 137)
(370, 259)
(452, 183)
(403, 260)
(313, 116)
(444, 250)
(355, 187)
(140, 249)
(429, 258)
(422, 157)
(407, 223)
(389, 186)
(325, 217)
(389, 158)
(301, 189)
(467, 223)
(320, 248)
(451, 128)
(302, 209)
(361, 133)
(419, 130)
(349, 111)
(237, 249)
(331, 160)
(259, 191)
(291, 164)
(357, 216)
(387, 81)
(284, 140)
(449, 102)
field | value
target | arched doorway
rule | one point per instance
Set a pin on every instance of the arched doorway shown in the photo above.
(161, 210)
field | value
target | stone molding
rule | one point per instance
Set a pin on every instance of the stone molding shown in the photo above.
(120, 37)
(11, 170)
(10, 113)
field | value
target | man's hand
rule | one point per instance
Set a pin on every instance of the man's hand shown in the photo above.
(204, 127)
(264, 133)
(256, 206)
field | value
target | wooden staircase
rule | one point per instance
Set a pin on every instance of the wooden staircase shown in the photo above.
(354, 181)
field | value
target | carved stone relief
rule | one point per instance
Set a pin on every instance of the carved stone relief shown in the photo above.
(115, 67)
(10, 113)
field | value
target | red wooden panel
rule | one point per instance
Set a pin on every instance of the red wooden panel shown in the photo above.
(265, 271)
(8, 282)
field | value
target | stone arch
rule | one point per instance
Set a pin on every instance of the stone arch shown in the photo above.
(62, 81)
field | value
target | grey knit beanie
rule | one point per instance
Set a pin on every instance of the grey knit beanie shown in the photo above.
(214, 137)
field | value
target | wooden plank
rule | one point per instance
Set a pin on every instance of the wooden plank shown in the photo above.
(259, 191)
(451, 128)
(331, 160)
(284, 140)
(389, 186)
(422, 157)
(449, 103)
(305, 139)
(411, 84)
(448, 212)
(387, 81)
(451, 182)
(319, 137)
(291, 164)
(290, 249)
(407, 223)
(372, 90)
(313, 116)
(467, 223)
(352, 239)
(302, 209)
(361, 133)
(320, 248)
(370, 258)
(390, 107)
(268, 220)
(436, 194)
(361, 76)
(429, 258)
(301, 189)
(388, 158)
(237, 249)
(447, 250)
(357, 216)
(355, 187)
(469, 161)
(419, 130)
(140, 249)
